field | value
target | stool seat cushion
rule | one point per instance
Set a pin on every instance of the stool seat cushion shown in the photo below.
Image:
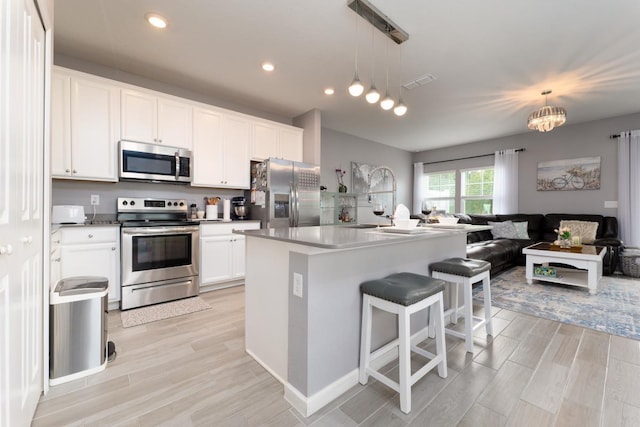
(403, 288)
(461, 266)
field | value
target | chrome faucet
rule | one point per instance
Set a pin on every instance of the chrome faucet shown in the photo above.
(392, 191)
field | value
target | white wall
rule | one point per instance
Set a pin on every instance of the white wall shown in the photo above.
(570, 141)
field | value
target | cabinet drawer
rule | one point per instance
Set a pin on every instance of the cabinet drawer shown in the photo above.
(89, 235)
(226, 228)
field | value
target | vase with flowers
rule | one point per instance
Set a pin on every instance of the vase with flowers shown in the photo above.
(564, 237)
(341, 187)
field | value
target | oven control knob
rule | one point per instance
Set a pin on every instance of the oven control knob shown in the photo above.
(132, 203)
(124, 202)
(181, 203)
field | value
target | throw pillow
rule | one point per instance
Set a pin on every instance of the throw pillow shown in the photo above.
(585, 229)
(503, 230)
(521, 229)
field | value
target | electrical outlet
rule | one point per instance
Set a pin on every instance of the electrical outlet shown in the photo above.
(297, 284)
(95, 199)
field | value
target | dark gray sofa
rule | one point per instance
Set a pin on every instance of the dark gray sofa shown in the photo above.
(506, 253)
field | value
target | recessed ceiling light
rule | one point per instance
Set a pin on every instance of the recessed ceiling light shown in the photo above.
(268, 66)
(156, 20)
(329, 91)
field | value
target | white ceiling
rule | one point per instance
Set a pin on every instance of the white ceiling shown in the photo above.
(491, 59)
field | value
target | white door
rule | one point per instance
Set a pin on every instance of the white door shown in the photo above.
(139, 116)
(95, 122)
(264, 141)
(291, 144)
(60, 125)
(175, 123)
(96, 259)
(22, 78)
(238, 257)
(215, 259)
(237, 162)
(208, 148)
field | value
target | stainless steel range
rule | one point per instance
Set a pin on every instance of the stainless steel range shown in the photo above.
(159, 251)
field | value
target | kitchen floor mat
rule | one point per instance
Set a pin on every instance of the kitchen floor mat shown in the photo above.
(152, 313)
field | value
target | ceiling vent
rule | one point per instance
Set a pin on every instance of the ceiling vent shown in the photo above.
(420, 81)
(379, 20)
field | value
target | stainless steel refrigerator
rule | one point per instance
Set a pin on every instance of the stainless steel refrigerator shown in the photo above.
(286, 194)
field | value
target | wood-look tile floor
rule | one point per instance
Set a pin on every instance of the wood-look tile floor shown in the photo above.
(192, 370)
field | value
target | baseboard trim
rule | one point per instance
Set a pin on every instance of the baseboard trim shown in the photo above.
(267, 368)
(307, 406)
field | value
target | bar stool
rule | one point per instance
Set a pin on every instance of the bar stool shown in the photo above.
(402, 294)
(466, 272)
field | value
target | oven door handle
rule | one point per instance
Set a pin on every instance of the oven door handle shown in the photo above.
(156, 286)
(159, 230)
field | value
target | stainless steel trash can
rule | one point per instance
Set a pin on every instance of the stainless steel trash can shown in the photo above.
(77, 328)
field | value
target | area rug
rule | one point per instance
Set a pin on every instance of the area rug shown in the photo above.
(152, 313)
(615, 309)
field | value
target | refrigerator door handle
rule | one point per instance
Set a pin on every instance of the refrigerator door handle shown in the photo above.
(292, 222)
(297, 205)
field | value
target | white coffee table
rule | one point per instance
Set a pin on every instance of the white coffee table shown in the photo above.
(587, 260)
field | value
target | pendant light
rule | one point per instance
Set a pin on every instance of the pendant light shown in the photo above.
(372, 96)
(387, 102)
(400, 109)
(356, 88)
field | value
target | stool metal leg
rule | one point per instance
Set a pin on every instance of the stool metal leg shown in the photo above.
(404, 335)
(365, 339)
(486, 290)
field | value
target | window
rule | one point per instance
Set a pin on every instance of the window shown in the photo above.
(476, 191)
(441, 190)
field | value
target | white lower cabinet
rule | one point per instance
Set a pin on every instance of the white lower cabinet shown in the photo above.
(89, 251)
(222, 257)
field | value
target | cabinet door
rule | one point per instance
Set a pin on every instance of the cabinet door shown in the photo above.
(95, 120)
(291, 144)
(264, 142)
(215, 259)
(139, 116)
(175, 122)
(238, 269)
(236, 159)
(60, 125)
(99, 259)
(208, 148)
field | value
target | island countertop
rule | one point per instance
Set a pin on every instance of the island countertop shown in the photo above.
(345, 237)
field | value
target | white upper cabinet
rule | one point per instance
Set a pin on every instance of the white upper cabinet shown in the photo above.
(150, 118)
(290, 143)
(270, 139)
(85, 127)
(221, 149)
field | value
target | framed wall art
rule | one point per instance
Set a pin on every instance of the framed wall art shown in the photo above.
(571, 174)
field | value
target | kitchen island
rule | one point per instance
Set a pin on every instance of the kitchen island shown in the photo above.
(303, 303)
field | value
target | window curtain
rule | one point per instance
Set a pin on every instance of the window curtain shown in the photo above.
(505, 182)
(418, 184)
(628, 184)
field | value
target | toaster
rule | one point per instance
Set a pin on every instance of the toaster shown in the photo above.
(67, 214)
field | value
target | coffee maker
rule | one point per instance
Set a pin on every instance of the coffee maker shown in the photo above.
(238, 208)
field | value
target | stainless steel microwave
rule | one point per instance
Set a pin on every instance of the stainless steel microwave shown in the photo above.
(153, 162)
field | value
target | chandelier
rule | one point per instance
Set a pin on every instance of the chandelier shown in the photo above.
(548, 117)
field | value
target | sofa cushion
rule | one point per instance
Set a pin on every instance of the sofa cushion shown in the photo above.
(552, 222)
(585, 229)
(503, 230)
(521, 229)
